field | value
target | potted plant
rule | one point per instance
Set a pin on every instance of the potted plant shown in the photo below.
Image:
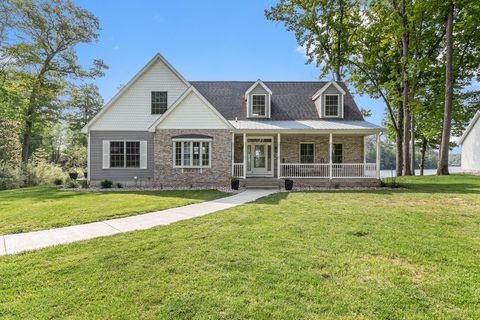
(73, 175)
(288, 184)
(235, 183)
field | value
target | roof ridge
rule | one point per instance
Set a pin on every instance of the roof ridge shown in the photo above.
(266, 81)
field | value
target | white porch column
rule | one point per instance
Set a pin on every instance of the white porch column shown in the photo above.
(330, 147)
(233, 154)
(278, 156)
(244, 156)
(378, 156)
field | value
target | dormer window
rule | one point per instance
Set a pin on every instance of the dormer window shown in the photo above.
(332, 105)
(259, 104)
(159, 102)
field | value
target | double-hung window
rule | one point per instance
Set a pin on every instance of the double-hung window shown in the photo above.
(307, 153)
(332, 108)
(124, 154)
(159, 102)
(120, 154)
(192, 153)
(259, 105)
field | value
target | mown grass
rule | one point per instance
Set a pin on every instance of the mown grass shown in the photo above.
(406, 254)
(37, 208)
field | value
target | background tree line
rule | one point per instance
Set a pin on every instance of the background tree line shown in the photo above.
(45, 97)
(419, 57)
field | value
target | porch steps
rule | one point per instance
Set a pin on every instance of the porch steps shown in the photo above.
(261, 183)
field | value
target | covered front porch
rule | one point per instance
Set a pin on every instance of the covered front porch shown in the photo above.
(299, 155)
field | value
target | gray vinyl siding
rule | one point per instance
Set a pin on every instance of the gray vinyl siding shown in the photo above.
(97, 173)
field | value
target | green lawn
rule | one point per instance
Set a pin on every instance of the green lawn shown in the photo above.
(37, 208)
(393, 254)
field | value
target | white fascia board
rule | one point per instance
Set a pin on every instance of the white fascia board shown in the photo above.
(191, 89)
(158, 56)
(325, 87)
(469, 127)
(258, 82)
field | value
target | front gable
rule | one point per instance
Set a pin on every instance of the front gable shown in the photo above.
(130, 108)
(191, 111)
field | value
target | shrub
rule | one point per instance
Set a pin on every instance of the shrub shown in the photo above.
(70, 183)
(10, 177)
(119, 185)
(57, 181)
(42, 173)
(106, 184)
(84, 184)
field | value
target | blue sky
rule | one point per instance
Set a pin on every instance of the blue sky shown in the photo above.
(203, 40)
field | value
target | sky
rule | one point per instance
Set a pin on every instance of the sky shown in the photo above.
(203, 40)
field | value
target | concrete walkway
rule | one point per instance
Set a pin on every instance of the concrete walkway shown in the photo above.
(16, 243)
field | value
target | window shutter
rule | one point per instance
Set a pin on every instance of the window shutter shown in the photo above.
(106, 154)
(143, 155)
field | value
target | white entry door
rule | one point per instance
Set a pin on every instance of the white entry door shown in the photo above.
(259, 159)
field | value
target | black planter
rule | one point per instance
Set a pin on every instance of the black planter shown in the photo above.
(85, 174)
(73, 175)
(235, 184)
(288, 184)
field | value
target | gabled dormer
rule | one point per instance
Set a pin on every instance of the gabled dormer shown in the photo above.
(258, 98)
(329, 101)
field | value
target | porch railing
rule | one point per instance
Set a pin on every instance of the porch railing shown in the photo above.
(238, 170)
(322, 170)
(303, 170)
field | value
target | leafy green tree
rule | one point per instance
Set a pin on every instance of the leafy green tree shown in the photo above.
(46, 34)
(85, 102)
(323, 27)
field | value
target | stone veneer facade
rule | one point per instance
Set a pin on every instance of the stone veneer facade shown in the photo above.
(165, 175)
(290, 148)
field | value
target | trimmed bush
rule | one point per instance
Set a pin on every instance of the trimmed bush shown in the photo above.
(84, 184)
(106, 184)
(58, 181)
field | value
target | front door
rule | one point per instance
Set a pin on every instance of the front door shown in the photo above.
(259, 159)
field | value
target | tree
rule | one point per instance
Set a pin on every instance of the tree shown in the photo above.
(84, 103)
(323, 27)
(46, 35)
(447, 114)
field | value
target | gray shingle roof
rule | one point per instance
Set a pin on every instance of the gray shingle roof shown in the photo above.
(290, 100)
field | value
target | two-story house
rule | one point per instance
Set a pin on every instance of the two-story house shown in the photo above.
(163, 130)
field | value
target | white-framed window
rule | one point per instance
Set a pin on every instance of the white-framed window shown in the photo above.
(332, 105)
(192, 153)
(259, 105)
(159, 102)
(121, 154)
(307, 152)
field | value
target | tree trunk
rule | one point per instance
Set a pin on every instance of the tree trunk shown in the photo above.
(423, 151)
(447, 114)
(412, 139)
(405, 84)
(399, 141)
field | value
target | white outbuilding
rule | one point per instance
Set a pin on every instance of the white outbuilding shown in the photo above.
(470, 142)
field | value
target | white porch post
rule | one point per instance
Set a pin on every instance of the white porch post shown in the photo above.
(378, 156)
(244, 156)
(331, 153)
(233, 154)
(278, 156)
